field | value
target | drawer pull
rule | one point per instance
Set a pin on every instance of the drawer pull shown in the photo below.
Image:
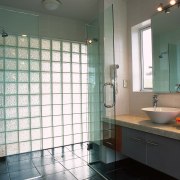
(152, 143)
(136, 139)
(109, 143)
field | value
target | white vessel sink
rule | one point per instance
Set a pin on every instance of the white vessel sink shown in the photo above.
(162, 115)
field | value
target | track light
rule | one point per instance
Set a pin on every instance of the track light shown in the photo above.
(172, 2)
(166, 8)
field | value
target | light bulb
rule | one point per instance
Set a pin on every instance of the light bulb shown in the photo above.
(160, 7)
(172, 2)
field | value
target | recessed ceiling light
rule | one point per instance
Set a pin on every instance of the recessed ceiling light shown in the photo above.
(51, 4)
(172, 2)
(24, 35)
(160, 7)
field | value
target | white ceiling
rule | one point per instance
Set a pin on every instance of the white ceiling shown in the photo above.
(84, 10)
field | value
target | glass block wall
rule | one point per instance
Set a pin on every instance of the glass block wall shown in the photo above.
(43, 94)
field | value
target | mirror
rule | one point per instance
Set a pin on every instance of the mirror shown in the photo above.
(166, 51)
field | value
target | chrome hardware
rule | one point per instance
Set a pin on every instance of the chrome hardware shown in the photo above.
(112, 86)
(152, 143)
(155, 100)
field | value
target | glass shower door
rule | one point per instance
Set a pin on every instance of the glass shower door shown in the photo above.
(102, 71)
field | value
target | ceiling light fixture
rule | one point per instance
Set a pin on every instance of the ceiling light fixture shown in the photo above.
(51, 4)
(166, 8)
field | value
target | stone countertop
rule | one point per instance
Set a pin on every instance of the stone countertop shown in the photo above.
(171, 130)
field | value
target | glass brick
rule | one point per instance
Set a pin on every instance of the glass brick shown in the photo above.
(66, 57)
(34, 54)
(46, 110)
(23, 53)
(56, 88)
(23, 88)
(76, 88)
(84, 108)
(25, 147)
(23, 100)
(11, 113)
(35, 77)
(76, 118)
(2, 129)
(34, 42)
(76, 98)
(83, 48)
(24, 135)
(46, 121)
(67, 109)
(11, 137)
(85, 137)
(1, 40)
(1, 101)
(45, 66)
(77, 138)
(1, 113)
(46, 88)
(84, 58)
(84, 98)
(76, 108)
(57, 99)
(56, 67)
(67, 99)
(57, 109)
(12, 149)
(35, 100)
(36, 122)
(47, 132)
(58, 141)
(66, 67)
(66, 77)
(56, 45)
(2, 138)
(35, 111)
(24, 123)
(1, 88)
(10, 52)
(75, 58)
(23, 112)
(66, 88)
(10, 88)
(10, 101)
(45, 55)
(23, 76)
(23, 41)
(11, 125)
(10, 64)
(76, 68)
(45, 44)
(35, 66)
(1, 51)
(46, 77)
(75, 47)
(57, 120)
(3, 151)
(10, 40)
(1, 64)
(1, 76)
(76, 128)
(10, 76)
(58, 131)
(85, 88)
(67, 119)
(76, 78)
(46, 99)
(47, 143)
(68, 130)
(23, 65)
(35, 134)
(35, 88)
(56, 56)
(56, 77)
(36, 145)
(85, 78)
(66, 46)
(84, 68)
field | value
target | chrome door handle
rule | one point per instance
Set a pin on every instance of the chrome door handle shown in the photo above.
(112, 85)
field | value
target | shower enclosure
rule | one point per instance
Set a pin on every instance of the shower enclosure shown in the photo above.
(56, 92)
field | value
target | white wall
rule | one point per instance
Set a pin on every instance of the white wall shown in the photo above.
(138, 11)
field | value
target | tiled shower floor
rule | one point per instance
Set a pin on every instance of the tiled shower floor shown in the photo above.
(70, 163)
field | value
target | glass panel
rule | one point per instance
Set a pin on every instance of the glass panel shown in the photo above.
(36, 122)
(23, 53)
(23, 65)
(10, 40)
(56, 56)
(45, 55)
(11, 125)
(66, 57)
(75, 47)
(34, 42)
(10, 64)
(23, 76)
(24, 123)
(10, 52)
(66, 46)
(34, 54)
(45, 44)
(23, 41)
(56, 45)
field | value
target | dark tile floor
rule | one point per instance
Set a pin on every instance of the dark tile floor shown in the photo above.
(70, 163)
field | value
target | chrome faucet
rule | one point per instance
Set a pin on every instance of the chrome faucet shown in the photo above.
(155, 100)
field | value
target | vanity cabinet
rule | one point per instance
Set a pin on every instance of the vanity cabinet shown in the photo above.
(158, 152)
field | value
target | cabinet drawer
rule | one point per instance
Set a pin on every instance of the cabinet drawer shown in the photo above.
(134, 144)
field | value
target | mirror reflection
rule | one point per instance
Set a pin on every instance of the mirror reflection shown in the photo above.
(166, 51)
